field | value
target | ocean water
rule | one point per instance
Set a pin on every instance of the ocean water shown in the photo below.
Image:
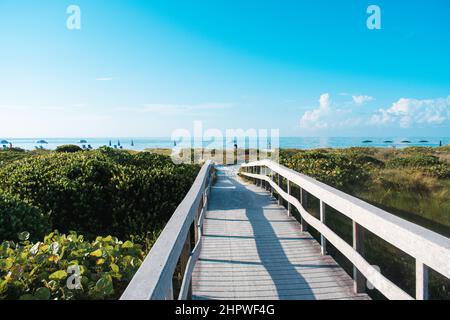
(284, 142)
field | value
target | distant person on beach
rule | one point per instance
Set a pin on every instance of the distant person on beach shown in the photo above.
(235, 146)
(440, 143)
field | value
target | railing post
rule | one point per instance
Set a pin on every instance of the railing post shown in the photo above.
(421, 281)
(359, 281)
(184, 258)
(258, 171)
(196, 232)
(271, 178)
(303, 225)
(289, 193)
(279, 184)
(323, 241)
(264, 184)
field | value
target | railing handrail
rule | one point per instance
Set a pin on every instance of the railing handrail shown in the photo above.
(153, 280)
(427, 247)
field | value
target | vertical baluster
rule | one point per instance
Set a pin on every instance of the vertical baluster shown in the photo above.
(359, 281)
(421, 281)
(289, 192)
(271, 178)
(196, 220)
(279, 184)
(258, 182)
(323, 241)
(265, 174)
(184, 258)
(303, 201)
(262, 173)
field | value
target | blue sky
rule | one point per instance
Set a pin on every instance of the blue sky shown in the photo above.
(146, 68)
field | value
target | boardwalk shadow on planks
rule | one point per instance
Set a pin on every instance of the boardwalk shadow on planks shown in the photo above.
(253, 250)
(254, 229)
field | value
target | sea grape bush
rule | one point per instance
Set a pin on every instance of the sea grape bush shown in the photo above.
(17, 216)
(352, 168)
(100, 192)
(39, 271)
(429, 164)
(7, 156)
(68, 148)
(128, 195)
(336, 169)
(414, 160)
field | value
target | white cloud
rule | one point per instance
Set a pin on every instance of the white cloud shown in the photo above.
(361, 99)
(328, 115)
(404, 113)
(316, 118)
(409, 112)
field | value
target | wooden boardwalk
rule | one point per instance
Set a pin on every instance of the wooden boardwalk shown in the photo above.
(253, 250)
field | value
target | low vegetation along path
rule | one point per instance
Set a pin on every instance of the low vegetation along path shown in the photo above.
(252, 249)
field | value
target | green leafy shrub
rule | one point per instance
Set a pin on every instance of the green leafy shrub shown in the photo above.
(104, 191)
(414, 160)
(17, 216)
(360, 150)
(416, 150)
(441, 171)
(336, 169)
(365, 160)
(42, 270)
(75, 189)
(8, 155)
(428, 164)
(68, 148)
(16, 149)
(146, 199)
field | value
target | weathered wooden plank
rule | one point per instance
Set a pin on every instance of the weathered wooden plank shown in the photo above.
(253, 250)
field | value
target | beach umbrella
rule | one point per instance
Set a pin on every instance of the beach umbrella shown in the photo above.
(41, 142)
(82, 141)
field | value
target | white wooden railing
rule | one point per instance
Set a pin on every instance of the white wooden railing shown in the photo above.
(154, 279)
(429, 249)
